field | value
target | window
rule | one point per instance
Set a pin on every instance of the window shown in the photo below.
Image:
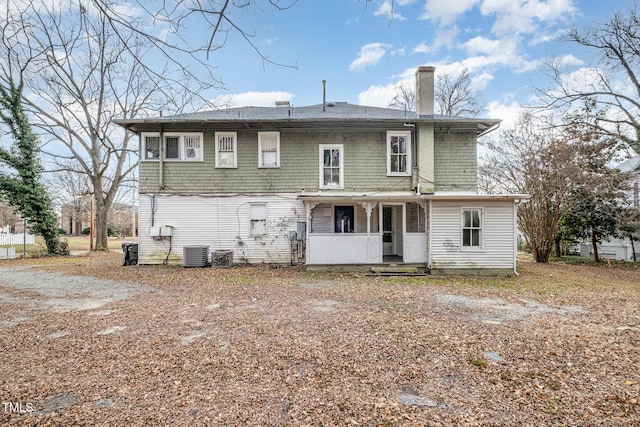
(344, 219)
(176, 146)
(331, 166)
(172, 147)
(151, 147)
(269, 149)
(226, 150)
(399, 153)
(192, 147)
(257, 219)
(472, 228)
(415, 218)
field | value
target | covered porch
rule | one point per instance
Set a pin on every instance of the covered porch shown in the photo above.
(366, 230)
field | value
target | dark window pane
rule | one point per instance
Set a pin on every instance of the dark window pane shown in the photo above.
(344, 219)
(475, 240)
(172, 148)
(476, 218)
(466, 237)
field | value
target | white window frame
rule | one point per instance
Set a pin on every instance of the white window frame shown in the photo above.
(406, 134)
(321, 149)
(234, 135)
(183, 147)
(143, 146)
(182, 156)
(260, 152)
(480, 247)
(253, 219)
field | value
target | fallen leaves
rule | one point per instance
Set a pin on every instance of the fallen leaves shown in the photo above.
(265, 346)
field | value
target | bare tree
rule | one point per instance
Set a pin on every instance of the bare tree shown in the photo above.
(85, 63)
(548, 164)
(71, 192)
(612, 81)
(77, 78)
(454, 96)
(404, 98)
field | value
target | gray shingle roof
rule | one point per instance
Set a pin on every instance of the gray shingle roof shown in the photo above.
(333, 112)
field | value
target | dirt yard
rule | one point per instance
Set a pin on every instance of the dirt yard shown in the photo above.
(85, 341)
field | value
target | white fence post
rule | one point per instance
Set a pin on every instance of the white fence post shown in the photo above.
(16, 239)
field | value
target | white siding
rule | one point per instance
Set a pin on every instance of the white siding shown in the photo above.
(219, 222)
(347, 248)
(498, 250)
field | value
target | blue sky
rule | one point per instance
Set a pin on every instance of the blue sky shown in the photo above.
(364, 48)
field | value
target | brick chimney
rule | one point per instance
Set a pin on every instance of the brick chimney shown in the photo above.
(424, 90)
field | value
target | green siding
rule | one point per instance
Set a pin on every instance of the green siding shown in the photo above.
(452, 155)
(456, 162)
(365, 165)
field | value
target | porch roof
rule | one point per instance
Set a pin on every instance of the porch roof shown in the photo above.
(405, 196)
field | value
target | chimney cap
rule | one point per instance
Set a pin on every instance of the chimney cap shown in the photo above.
(283, 104)
(427, 68)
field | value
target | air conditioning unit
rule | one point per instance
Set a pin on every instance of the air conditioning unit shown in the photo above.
(195, 256)
(222, 259)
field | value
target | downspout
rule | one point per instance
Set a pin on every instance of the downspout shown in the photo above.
(516, 202)
(160, 157)
(515, 237)
(430, 219)
(414, 155)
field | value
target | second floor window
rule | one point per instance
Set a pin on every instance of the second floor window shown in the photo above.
(331, 166)
(269, 149)
(226, 150)
(175, 146)
(399, 153)
(151, 147)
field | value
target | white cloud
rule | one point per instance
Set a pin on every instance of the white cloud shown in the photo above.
(446, 11)
(568, 61)
(509, 113)
(522, 16)
(253, 99)
(377, 96)
(505, 52)
(387, 9)
(370, 54)
(422, 48)
(584, 79)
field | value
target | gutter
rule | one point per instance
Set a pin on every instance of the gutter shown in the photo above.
(489, 130)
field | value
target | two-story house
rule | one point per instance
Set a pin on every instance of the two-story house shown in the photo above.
(329, 184)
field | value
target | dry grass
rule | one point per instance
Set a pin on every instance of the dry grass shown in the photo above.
(279, 346)
(77, 244)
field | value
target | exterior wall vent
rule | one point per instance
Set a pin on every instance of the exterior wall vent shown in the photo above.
(195, 256)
